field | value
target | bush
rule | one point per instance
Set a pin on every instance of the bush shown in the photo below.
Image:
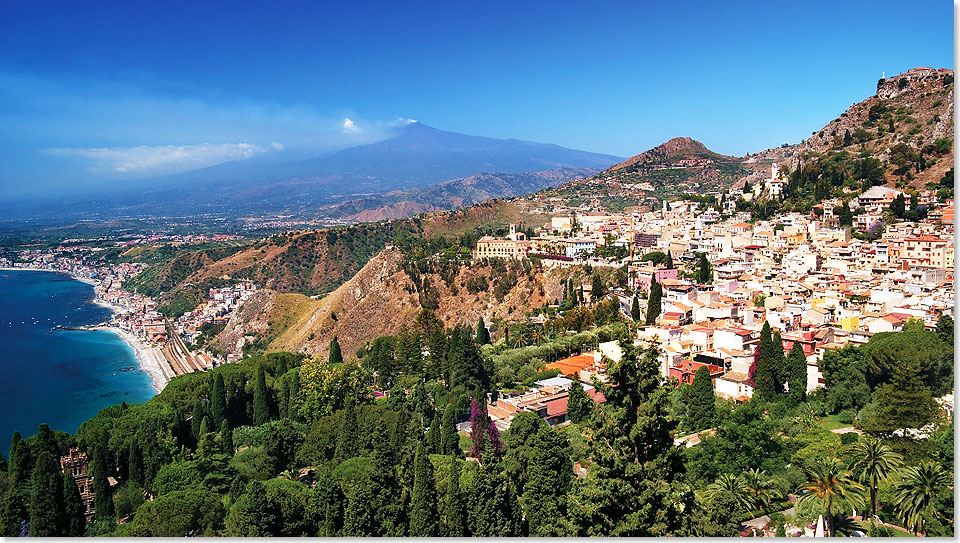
(847, 416)
(849, 438)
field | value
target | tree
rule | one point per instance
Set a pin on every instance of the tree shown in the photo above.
(902, 403)
(465, 366)
(492, 506)
(261, 402)
(358, 518)
(833, 485)
(346, 447)
(485, 436)
(14, 515)
(702, 401)
(598, 290)
(844, 215)
(763, 371)
(74, 518)
(704, 270)
(874, 461)
(100, 469)
(898, 206)
(433, 435)
(654, 306)
(760, 488)
(449, 438)
(637, 487)
(423, 513)
(335, 357)
(796, 372)
(46, 499)
(945, 329)
(669, 264)
(218, 400)
(549, 472)
(454, 515)
(20, 462)
(226, 437)
(483, 335)
(135, 463)
(635, 312)
(46, 441)
(579, 404)
(914, 493)
(734, 486)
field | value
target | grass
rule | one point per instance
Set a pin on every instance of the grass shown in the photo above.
(832, 422)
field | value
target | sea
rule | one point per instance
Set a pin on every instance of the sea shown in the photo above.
(60, 377)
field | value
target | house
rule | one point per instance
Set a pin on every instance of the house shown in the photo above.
(734, 385)
(685, 371)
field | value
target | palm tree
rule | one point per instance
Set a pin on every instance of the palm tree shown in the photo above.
(733, 484)
(537, 336)
(519, 340)
(874, 461)
(833, 485)
(913, 494)
(760, 487)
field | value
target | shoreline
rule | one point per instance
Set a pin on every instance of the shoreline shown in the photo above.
(150, 359)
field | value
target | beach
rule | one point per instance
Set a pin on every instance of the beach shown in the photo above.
(151, 359)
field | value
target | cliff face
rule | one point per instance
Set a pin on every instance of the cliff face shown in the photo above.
(377, 301)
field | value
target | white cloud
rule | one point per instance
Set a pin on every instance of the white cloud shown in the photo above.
(276, 145)
(161, 159)
(350, 127)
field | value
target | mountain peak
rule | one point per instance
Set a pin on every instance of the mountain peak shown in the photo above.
(674, 148)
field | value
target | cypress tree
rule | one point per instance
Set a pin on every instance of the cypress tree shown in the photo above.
(654, 306)
(450, 439)
(46, 441)
(704, 270)
(493, 509)
(19, 463)
(763, 375)
(482, 335)
(103, 494)
(261, 405)
(336, 357)
(635, 313)
(226, 437)
(423, 513)
(281, 367)
(292, 401)
(797, 372)
(384, 479)
(135, 461)
(669, 264)
(597, 289)
(346, 438)
(218, 401)
(358, 517)
(454, 516)
(778, 362)
(433, 435)
(196, 418)
(702, 401)
(74, 519)
(579, 404)
(46, 499)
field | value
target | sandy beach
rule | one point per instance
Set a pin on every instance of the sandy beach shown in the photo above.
(151, 359)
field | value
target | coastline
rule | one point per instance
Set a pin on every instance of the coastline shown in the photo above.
(151, 359)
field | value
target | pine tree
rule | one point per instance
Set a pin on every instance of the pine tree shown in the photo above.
(336, 357)
(261, 405)
(454, 516)
(100, 468)
(637, 486)
(450, 439)
(226, 437)
(74, 519)
(423, 513)
(46, 498)
(654, 306)
(218, 401)
(797, 372)
(635, 313)
(483, 335)
(702, 408)
(579, 404)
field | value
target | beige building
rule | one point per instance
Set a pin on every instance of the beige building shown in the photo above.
(924, 251)
(515, 245)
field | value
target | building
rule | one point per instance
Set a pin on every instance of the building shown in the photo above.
(515, 246)
(924, 251)
(75, 463)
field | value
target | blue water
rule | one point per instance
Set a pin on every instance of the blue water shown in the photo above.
(61, 377)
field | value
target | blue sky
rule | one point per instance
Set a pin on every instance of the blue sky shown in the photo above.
(112, 91)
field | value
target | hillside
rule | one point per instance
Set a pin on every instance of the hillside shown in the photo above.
(680, 165)
(382, 298)
(452, 194)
